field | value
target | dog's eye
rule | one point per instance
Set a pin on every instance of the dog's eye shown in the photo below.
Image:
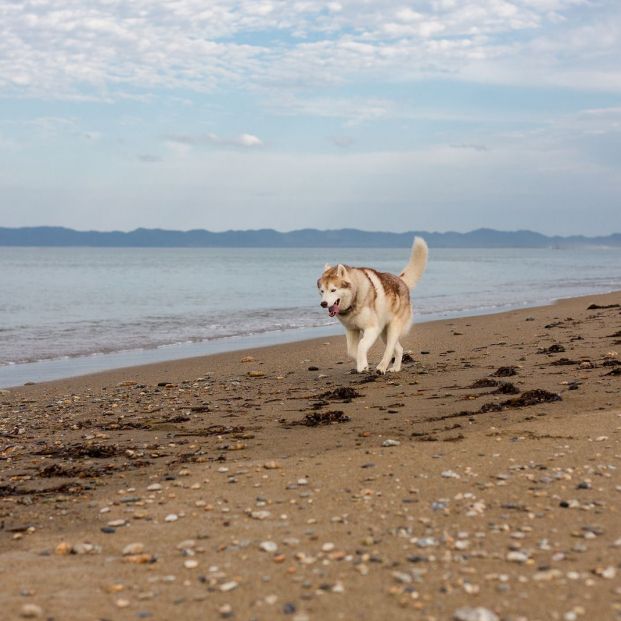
(333, 290)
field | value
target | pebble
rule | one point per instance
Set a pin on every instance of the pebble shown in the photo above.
(450, 474)
(229, 586)
(171, 517)
(63, 548)
(117, 523)
(268, 546)
(474, 614)
(154, 487)
(85, 548)
(260, 515)
(133, 548)
(190, 564)
(31, 611)
(391, 443)
(517, 557)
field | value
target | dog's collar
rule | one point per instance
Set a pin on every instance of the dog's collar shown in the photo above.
(348, 310)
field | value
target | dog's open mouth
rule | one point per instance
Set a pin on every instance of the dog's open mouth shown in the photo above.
(334, 309)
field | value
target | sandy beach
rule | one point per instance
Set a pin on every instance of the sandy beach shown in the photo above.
(481, 483)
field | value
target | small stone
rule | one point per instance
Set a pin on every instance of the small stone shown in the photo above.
(517, 557)
(268, 546)
(226, 611)
(85, 548)
(450, 474)
(31, 611)
(139, 559)
(474, 614)
(63, 548)
(389, 442)
(328, 547)
(117, 523)
(190, 564)
(133, 548)
(229, 586)
(256, 374)
(606, 572)
(271, 465)
(171, 517)
(260, 515)
(154, 487)
(122, 603)
(247, 359)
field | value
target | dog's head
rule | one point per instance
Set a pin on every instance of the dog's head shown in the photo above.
(335, 289)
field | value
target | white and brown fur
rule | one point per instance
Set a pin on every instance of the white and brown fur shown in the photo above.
(370, 304)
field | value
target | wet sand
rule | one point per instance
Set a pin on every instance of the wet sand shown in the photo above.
(482, 482)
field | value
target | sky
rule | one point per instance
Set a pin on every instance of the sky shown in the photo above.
(386, 115)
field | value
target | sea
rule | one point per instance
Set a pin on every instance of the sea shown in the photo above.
(70, 311)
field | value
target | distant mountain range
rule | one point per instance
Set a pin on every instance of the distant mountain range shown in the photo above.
(303, 238)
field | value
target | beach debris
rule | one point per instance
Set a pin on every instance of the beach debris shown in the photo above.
(255, 374)
(323, 418)
(528, 398)
(505, 371)
(343, 393)
(563, 362)
(602, 306)
(556, 348)
(247, 359)
(485, 382)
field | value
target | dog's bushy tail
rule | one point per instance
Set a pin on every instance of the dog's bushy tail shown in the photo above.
(416, 265)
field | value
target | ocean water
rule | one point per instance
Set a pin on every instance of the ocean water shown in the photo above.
(64, 311)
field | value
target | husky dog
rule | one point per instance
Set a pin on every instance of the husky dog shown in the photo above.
(370, 304)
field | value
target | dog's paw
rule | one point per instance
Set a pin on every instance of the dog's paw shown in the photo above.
(380, 369)
(394, 369)
(362, 369)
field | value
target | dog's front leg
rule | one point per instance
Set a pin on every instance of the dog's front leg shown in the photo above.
(368, 338)
(353, 338)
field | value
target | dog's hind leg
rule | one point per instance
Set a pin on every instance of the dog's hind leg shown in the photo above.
(392, 340)
(366, 342)
(396, 365)
(353, 338)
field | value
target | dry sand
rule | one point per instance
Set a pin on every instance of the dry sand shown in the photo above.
(214, 488)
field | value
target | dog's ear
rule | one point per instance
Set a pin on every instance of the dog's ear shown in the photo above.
(341, 271)
(326, 267)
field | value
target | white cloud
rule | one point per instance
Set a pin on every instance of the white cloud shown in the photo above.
(248, 141)
(102, 49)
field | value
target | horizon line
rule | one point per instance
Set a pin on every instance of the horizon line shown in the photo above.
(256, 230)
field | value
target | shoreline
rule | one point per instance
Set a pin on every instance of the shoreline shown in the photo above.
(272, 483)
(69, 367)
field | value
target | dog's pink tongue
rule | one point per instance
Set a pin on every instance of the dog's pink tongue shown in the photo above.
(333, 310)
